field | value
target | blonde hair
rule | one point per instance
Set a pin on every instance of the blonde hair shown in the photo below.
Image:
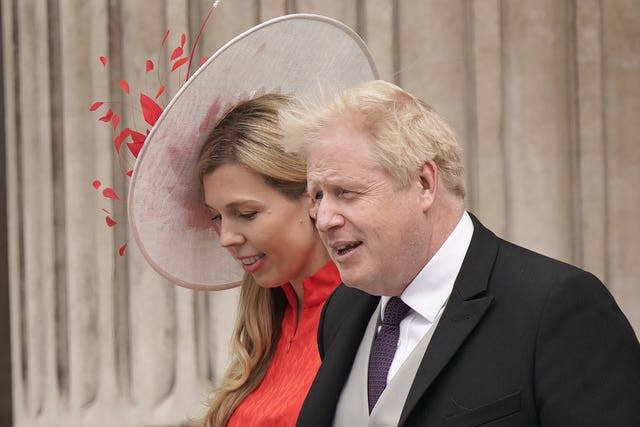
(250, 135)
(405, 131)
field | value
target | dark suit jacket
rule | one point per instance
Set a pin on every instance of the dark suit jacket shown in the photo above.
(524, 341)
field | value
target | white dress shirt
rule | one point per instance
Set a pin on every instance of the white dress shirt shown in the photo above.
(428, 293)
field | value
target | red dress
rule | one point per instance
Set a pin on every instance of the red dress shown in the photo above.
(278, 399)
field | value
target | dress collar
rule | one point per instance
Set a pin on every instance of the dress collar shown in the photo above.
(316, 287)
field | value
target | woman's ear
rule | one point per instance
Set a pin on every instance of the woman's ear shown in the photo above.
(428, 177)
(311, 206)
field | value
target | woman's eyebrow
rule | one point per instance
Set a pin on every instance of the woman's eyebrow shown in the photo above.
(233, 205)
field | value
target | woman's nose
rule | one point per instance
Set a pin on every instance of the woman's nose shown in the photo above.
(229, 237)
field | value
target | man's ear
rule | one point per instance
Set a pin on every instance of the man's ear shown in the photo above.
(428, 176)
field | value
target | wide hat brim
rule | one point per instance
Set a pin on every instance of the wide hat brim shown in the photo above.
(292, 54)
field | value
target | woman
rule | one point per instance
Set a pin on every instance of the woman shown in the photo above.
(243, 216)
(256, 194)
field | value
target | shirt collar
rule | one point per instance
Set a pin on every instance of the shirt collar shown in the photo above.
(429, 290)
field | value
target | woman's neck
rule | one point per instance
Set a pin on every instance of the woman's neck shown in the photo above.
(317, 259)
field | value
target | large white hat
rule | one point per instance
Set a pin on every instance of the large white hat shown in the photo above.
(292, 54)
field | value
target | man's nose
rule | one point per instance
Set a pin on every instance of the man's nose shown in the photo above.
(327, 216)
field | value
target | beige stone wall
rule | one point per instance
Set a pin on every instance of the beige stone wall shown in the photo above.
(544, 95)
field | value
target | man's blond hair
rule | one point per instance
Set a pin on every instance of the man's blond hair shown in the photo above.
(405, 131)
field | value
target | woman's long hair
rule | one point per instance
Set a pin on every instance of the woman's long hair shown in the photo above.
(250, 135)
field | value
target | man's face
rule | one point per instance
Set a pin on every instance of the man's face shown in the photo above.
(375, 232)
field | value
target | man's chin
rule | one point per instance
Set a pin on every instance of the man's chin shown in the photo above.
(360, 283)
(348, 278)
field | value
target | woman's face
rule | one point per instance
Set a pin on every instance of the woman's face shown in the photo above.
(269, 234)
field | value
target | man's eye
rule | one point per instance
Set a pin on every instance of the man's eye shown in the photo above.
(216, 218)
(317, 195)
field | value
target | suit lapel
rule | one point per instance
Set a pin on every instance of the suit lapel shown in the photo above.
(467, 305)
(343, 348)
(339, 356)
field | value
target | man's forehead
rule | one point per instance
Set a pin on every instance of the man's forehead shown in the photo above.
(325, 171)
(326, 153)
(338, 170)
(329, 160)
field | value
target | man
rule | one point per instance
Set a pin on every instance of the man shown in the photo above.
(489, 333)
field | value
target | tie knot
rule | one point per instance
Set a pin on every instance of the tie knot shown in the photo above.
(394, 311)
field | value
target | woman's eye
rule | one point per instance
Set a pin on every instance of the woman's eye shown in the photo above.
(317, 195)
(247, 215)
(216, 218)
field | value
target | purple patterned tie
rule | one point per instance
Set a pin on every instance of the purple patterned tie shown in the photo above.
(384, 348)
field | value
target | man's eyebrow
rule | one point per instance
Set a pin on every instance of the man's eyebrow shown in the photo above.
(326, 180)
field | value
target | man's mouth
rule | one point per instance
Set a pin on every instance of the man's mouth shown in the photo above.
(343, 249)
